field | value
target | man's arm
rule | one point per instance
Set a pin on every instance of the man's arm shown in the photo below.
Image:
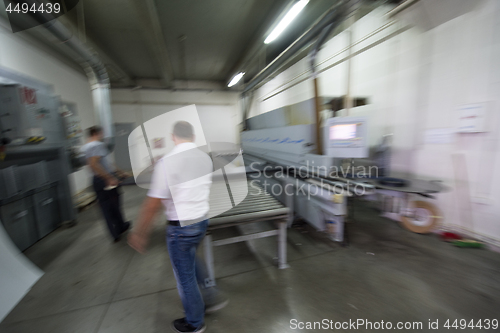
(96, 166)
(138, 238)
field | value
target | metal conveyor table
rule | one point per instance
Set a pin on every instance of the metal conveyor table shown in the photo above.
(257, 206)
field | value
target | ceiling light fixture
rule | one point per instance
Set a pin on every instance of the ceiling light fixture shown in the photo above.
(289, 17)
(235, 79)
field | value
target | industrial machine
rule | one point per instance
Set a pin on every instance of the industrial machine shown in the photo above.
(283, 160)
(35, 197)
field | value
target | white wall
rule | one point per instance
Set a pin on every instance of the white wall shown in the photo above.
(219, 111)
(416, 79)
(20, 53)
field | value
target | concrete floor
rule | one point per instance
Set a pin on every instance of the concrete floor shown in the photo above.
(94, 285)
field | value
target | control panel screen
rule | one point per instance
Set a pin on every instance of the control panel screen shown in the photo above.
(343, 132)
(345, 137)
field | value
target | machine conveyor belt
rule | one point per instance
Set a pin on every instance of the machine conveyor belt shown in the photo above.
(257, 203)
(257, 206)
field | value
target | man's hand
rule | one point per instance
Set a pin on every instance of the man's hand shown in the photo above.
(137, 242)
(112, 181)
(138, 238)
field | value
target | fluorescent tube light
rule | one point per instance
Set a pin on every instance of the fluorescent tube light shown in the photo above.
(289, 17)
(235, 79)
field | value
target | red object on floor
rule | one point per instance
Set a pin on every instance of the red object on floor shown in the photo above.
(450, 236)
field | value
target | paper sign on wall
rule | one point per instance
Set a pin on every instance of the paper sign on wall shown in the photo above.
(471, 118)
(158, 143)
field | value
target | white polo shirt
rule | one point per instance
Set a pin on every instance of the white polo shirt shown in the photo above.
(182, 179)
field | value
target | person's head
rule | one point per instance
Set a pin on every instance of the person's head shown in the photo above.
(183, 132)
(95, 133)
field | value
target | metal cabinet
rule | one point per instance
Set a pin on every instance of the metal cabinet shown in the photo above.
(19, 222)
(12, 112)
(46, 211)
(8, 183)
(34, 193)
(32, 176)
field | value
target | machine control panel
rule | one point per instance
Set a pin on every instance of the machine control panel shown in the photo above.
(345, 137)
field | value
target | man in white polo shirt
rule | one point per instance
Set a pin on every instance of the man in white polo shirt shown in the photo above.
(181, 182)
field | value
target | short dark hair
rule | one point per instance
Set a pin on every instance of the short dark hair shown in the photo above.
(183, 130)
(91, 131)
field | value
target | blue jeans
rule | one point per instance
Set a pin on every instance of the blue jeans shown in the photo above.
(182, 243)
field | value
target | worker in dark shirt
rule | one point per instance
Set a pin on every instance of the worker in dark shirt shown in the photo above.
(105, 182)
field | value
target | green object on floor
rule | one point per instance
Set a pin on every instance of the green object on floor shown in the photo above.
(468, 243)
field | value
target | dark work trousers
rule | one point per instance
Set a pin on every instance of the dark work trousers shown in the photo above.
(110, 206)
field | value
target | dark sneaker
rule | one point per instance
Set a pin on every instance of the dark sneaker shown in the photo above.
(181, 326)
